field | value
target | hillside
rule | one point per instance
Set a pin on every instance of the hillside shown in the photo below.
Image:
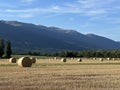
(27, 36)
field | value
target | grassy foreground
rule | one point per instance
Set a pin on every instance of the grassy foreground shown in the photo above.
(56, 75)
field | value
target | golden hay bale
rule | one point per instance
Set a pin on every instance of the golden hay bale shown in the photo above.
(63, 60)
(101, 59)
(94, 58)
(33, 60)
(113, 58)
(24, 62)
(49, 58)
(12, 60)
(108, 58)
(79, 60)
(55, 58)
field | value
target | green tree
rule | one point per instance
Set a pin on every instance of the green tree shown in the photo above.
(1, 47)
(8, 50)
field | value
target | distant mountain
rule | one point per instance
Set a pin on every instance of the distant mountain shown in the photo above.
(118, 42)
(27, 36)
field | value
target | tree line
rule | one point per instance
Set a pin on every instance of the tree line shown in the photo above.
(91, 53)
(5, 49)
(85, 53)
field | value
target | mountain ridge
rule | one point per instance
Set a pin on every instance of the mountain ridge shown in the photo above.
(28, 36)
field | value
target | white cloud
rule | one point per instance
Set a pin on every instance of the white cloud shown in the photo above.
(113, 20)
(5, 5)
(52, 15)
(23, 10)
(95, 3)
(96, 12)
(89, 8)
(99, 17)
(86, 25)
(25, 15)
(71, 19)
(27, 1)
(55, 7)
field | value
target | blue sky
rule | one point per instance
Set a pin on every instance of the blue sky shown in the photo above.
(101, 17)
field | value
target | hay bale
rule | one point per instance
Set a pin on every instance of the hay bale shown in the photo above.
(33, 60)
(79, 60)
(108, 58)
(113, 58)
(94, 58)
(12, 60)
(101, 59)
(24, 62)
(49, 59)
(63, 60)
(55, 58)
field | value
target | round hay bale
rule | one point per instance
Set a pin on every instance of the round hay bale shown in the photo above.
(63, 60)
(12, 60)
(72, 58)
(49, 58)
(113, 58)
(33, 60)
(79, 60)
(108, 58)
(94, 58)
(24, 62)
(101, 59)
(55, 58)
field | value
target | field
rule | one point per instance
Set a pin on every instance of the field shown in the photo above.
(56, 75)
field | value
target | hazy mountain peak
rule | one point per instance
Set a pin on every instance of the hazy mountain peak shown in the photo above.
(56, 28)
(13, 23)
(91, 35)
(63, 30)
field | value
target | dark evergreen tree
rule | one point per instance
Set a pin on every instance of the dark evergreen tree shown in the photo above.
(8, 50)
(1, 47)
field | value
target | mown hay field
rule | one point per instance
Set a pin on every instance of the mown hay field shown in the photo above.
(52, 74)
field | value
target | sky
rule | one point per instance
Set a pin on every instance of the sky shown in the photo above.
(101, 17)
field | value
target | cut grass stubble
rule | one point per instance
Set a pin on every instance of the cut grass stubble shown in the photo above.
(57, 75)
